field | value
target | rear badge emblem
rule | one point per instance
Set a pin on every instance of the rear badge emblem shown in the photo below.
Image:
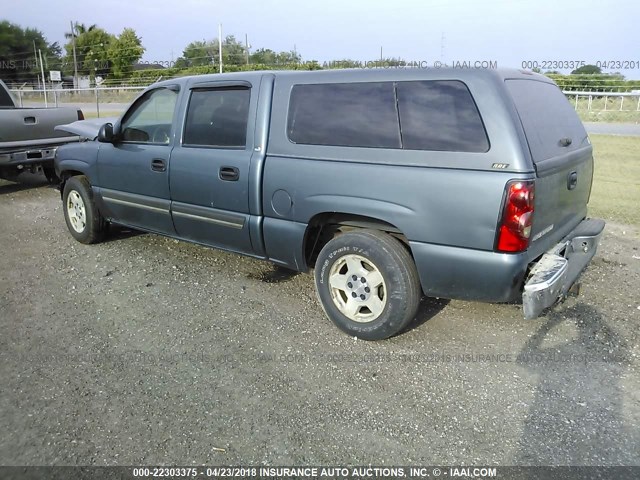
(542, 233)
(500, 166)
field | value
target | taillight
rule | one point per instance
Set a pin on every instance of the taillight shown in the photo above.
(517, 217)
(80, 115)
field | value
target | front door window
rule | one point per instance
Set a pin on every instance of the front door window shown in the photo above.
(149, 121)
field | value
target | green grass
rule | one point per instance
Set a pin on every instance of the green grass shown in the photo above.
(616, 183)
(607, 109)
(609, 116)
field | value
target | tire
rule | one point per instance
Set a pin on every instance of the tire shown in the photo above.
(84, 221)
(385, 302)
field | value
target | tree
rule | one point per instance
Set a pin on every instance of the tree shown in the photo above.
(69, 61)
(206, 52)
(587, 69)
(593, 82)
(263, 56)
(124, 52)
(101, 53)
(283, 58)
(233, 52)
(198, 53)
(266, 56)
(17, 55)
(79, 29)
(92, 47)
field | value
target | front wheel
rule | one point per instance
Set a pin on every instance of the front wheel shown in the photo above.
(83, 219)
(367, 284)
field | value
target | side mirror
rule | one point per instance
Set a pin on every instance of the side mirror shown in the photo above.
(105, 134)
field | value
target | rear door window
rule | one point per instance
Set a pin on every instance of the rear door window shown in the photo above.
(422, 115)
(440, 115)
(548, 119)
(344, 114)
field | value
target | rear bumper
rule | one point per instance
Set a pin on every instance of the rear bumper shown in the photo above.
(28, 157)
(558, 269)
(29, 152)
(468, 274)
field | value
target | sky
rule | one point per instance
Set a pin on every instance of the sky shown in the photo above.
(508, 32)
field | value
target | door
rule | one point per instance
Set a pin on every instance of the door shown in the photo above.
(209, 177)
(133, 171)
(562, 155)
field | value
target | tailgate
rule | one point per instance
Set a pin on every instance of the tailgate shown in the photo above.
(19, 124)
(562, 156)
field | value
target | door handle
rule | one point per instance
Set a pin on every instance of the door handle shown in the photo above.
(229, 174)
(158, 165)
(572, 180)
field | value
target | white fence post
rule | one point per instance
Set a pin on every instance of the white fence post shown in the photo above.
(97, 102)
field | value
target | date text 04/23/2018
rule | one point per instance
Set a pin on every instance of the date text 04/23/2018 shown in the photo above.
(575, 64)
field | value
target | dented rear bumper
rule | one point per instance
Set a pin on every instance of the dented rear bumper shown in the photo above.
(552, 276)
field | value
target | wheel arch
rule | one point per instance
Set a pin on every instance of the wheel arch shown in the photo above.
(324, 226)
(70, 168)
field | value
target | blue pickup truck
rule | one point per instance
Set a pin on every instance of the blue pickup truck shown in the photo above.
(388, 184)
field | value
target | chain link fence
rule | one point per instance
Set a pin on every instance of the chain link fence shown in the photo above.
(94, 102)
(112, 101)
(606, 106)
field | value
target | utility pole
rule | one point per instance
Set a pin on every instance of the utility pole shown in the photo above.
(75, 61)
(44, 83)
(246, 47)
(35, 54)
(220, 45)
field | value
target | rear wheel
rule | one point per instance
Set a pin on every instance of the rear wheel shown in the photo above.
(367, 284)
(84, 221)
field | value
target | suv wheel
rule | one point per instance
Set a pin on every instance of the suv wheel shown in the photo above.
(80, 212)
(367, 284)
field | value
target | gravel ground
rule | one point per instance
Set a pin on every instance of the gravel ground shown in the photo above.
(144, 350)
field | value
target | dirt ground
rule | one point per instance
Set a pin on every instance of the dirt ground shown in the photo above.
(144, 350)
